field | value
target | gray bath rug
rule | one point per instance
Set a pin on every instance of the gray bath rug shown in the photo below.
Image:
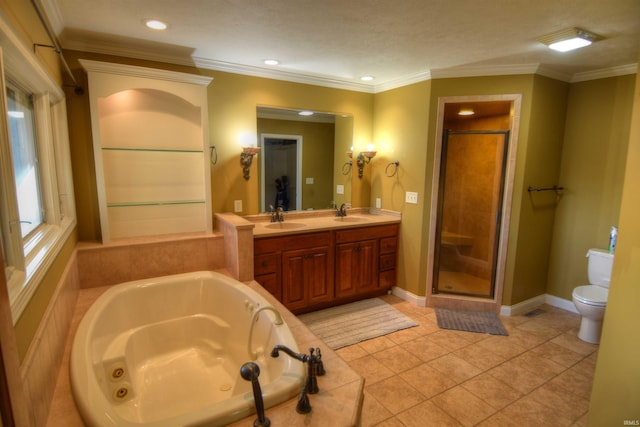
(359, 321)
(471, 321)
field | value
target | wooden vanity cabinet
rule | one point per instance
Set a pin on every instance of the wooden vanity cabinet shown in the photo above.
(317, 270)
(366, 260)
(297, 270)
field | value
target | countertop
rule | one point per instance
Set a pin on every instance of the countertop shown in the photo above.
(311, 221)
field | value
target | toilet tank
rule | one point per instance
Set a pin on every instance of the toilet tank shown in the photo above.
(599, 267)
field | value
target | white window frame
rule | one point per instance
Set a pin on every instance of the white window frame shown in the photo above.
(27, 260)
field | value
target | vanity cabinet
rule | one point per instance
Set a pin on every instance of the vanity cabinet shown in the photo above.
(317, 270)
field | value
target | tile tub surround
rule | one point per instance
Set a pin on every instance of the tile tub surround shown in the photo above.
(338, 403)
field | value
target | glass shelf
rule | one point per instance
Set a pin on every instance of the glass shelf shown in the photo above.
(155, 203)
(153, 150)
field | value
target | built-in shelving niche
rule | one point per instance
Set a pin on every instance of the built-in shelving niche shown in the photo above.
(150, 138)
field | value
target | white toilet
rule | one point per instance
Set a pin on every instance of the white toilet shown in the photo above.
(591, 299)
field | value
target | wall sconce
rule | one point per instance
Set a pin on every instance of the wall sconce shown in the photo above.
(246, 158)
(363, 158)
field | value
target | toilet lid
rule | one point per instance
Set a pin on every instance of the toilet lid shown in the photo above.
(591, 294)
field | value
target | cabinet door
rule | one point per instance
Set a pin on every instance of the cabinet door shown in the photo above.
(356, 268)
(304, 277)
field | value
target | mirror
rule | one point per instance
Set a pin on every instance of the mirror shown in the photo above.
(303, 158)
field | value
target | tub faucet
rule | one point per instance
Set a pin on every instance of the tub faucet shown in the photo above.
(254, 318)
(250, 372)
(342, 210)
(312, 360)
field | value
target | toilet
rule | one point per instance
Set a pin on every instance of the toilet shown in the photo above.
(591, 300)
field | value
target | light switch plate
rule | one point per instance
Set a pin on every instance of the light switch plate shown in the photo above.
(412, 197)
(378, 202)
(339, 189)
(309, 180)
(237, 205)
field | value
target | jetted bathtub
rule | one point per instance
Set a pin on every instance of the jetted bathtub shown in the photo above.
(167, 352)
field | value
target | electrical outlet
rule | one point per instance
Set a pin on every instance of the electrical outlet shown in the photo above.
(237, 205)
(378, 202)
(412, 197)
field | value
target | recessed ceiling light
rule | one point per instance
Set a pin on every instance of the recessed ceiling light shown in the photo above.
(367, 78)
(271, 62)
(155, 24)
(569, 39)
(466, 112)
(305, 113)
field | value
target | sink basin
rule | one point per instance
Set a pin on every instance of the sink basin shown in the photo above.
(285, 225)
(351, 219)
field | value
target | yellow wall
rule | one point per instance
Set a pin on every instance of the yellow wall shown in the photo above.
(616, 389)
(592, 170)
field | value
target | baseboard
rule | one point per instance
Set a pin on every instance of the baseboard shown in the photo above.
(532, 303)
(420, 301)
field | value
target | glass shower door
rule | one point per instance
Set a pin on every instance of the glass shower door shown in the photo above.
(472, 175)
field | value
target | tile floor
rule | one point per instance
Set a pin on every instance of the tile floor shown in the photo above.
(539, 375)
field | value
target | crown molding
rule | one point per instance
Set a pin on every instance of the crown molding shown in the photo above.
(404, 81)
(136, 71)
(279, 74)
(484, 70)
(621, 70)
(52, 12)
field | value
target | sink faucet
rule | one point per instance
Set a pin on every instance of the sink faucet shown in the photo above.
(342, 210)
(277, 215)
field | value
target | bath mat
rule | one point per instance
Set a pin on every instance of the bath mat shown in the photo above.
(359, 321)
(470, 321)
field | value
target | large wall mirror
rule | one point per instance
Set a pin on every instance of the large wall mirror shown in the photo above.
(303, 161)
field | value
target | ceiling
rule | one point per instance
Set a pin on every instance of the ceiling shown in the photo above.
(335, 42)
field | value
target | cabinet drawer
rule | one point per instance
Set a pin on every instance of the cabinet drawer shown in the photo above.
(363, 233)
(388, 245)
(263, 264)
(387, 262)
(387, 278)
(270, 283)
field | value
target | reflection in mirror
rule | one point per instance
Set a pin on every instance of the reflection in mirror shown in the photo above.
(299, 154)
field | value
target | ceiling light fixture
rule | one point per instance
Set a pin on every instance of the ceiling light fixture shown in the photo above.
(569, 39)
(305, 113)
(155, 24)
(367, 78)
(466, 112)
(271, 62)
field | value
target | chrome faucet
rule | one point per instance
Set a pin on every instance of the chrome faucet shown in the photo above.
(254, 318)
(342, 210)
(277, 215)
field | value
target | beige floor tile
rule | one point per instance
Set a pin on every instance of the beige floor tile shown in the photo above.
(513, 374)
(560, 401)
(391, 422)
(502, 346)
(479, 356)
(377, 344)
(427, 380)
(427, 414)
(405, 335)
(373, 412)
(539, 365)
(449, 340)
(539, 329)
(397, 359)
(372, 370)
(558, 354)
(493, 391)
(456, 368)
(395, 394)
(471, 413)
(528, 412)
(351, 352)
(574, 382)
(572, 342)
(425, 349)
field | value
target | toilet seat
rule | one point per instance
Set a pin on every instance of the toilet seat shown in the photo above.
(591, 295)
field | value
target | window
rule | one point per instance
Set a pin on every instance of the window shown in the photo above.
(25, 160)
(37, 212)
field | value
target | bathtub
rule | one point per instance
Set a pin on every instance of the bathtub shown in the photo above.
(167, 352)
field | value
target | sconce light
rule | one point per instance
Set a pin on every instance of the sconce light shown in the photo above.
(363, 158)
(246, 158)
